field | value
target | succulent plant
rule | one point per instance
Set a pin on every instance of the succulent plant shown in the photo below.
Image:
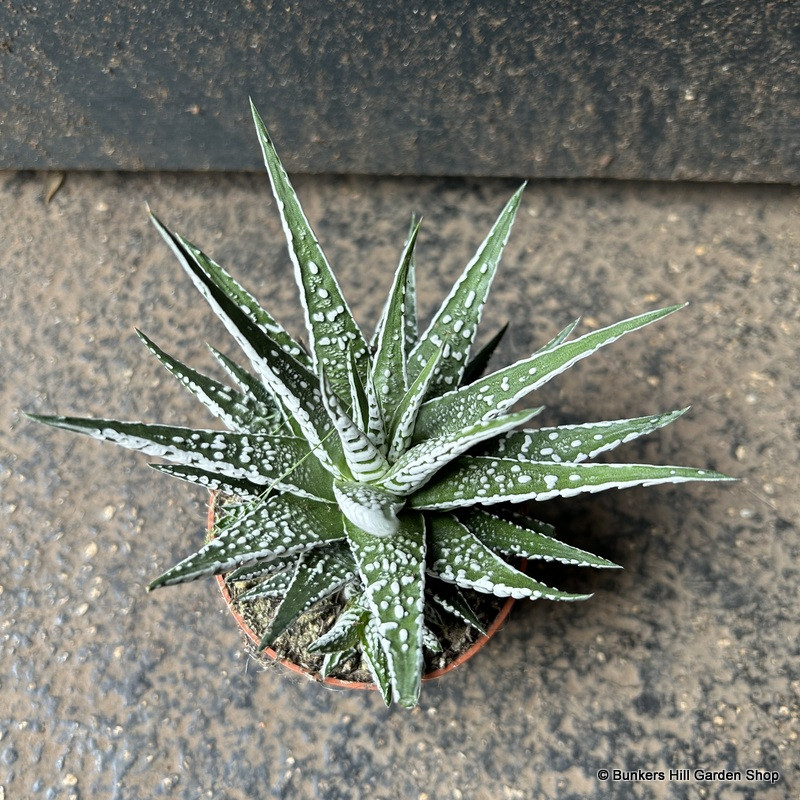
(379, 470)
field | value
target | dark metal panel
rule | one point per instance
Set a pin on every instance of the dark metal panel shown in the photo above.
(652, 90)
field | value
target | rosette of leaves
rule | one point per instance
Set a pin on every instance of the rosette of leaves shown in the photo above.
(378, 468)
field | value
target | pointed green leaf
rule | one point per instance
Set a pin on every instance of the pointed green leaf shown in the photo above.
(575, 443)
(346, 631)
(319, 573)
(260, 569)
(278, 526)
(331, 327)
(264, 460)
(411, 322)
(458, 556)
(214, 483)
(477, 366)
(522, 541)
(286, 377)
(359, 410)
(480, 479)
(334, 660)
(237, 411)
(275, 585)
(260, 399)
(270, 406)
(376, 659)
(366, 410)
(389, 370)
(450, 598)
(415, 467)
(560, 337)
(376, 424)
(241, 298)
(492, 395)
(460, 313)
(392, 570)
(364, 460)
(430, 641)
(401, 430)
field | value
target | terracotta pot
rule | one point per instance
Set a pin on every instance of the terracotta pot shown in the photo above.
(337, 682)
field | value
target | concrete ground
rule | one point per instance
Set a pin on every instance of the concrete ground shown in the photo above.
(686, 660)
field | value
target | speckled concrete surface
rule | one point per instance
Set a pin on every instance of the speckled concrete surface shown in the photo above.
(688, 659)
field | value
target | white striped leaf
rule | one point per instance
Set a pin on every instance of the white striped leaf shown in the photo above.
(389, 368)
(259, 396)
(275, 585)
(460, 313)
(259, 569)
(286, 377)
(375, 421)
(492, 395)
(392, 571)
(430, 641)
(411, 328)
(334, 660)
(318, 574)
(376, 659)
(366, 410)
(575, 443)
(274, 409)
(415, 467)
(215, 483)
(481, 479)
(359, 410)
(457, 556)
(449, 597)
(401, 429)
(524, 541)
(411, 321)
(346, 631)
(364, 460)
(370, 508)
(331, 327)
(261, 459)
(237, 411)
(242, 299)
(279, 526)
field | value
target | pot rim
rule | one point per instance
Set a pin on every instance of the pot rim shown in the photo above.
(339, 683)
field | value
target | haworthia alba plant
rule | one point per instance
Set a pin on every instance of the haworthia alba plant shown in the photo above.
(379, 470)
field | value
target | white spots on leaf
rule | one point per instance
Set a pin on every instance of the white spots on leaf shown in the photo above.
(331, 315)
